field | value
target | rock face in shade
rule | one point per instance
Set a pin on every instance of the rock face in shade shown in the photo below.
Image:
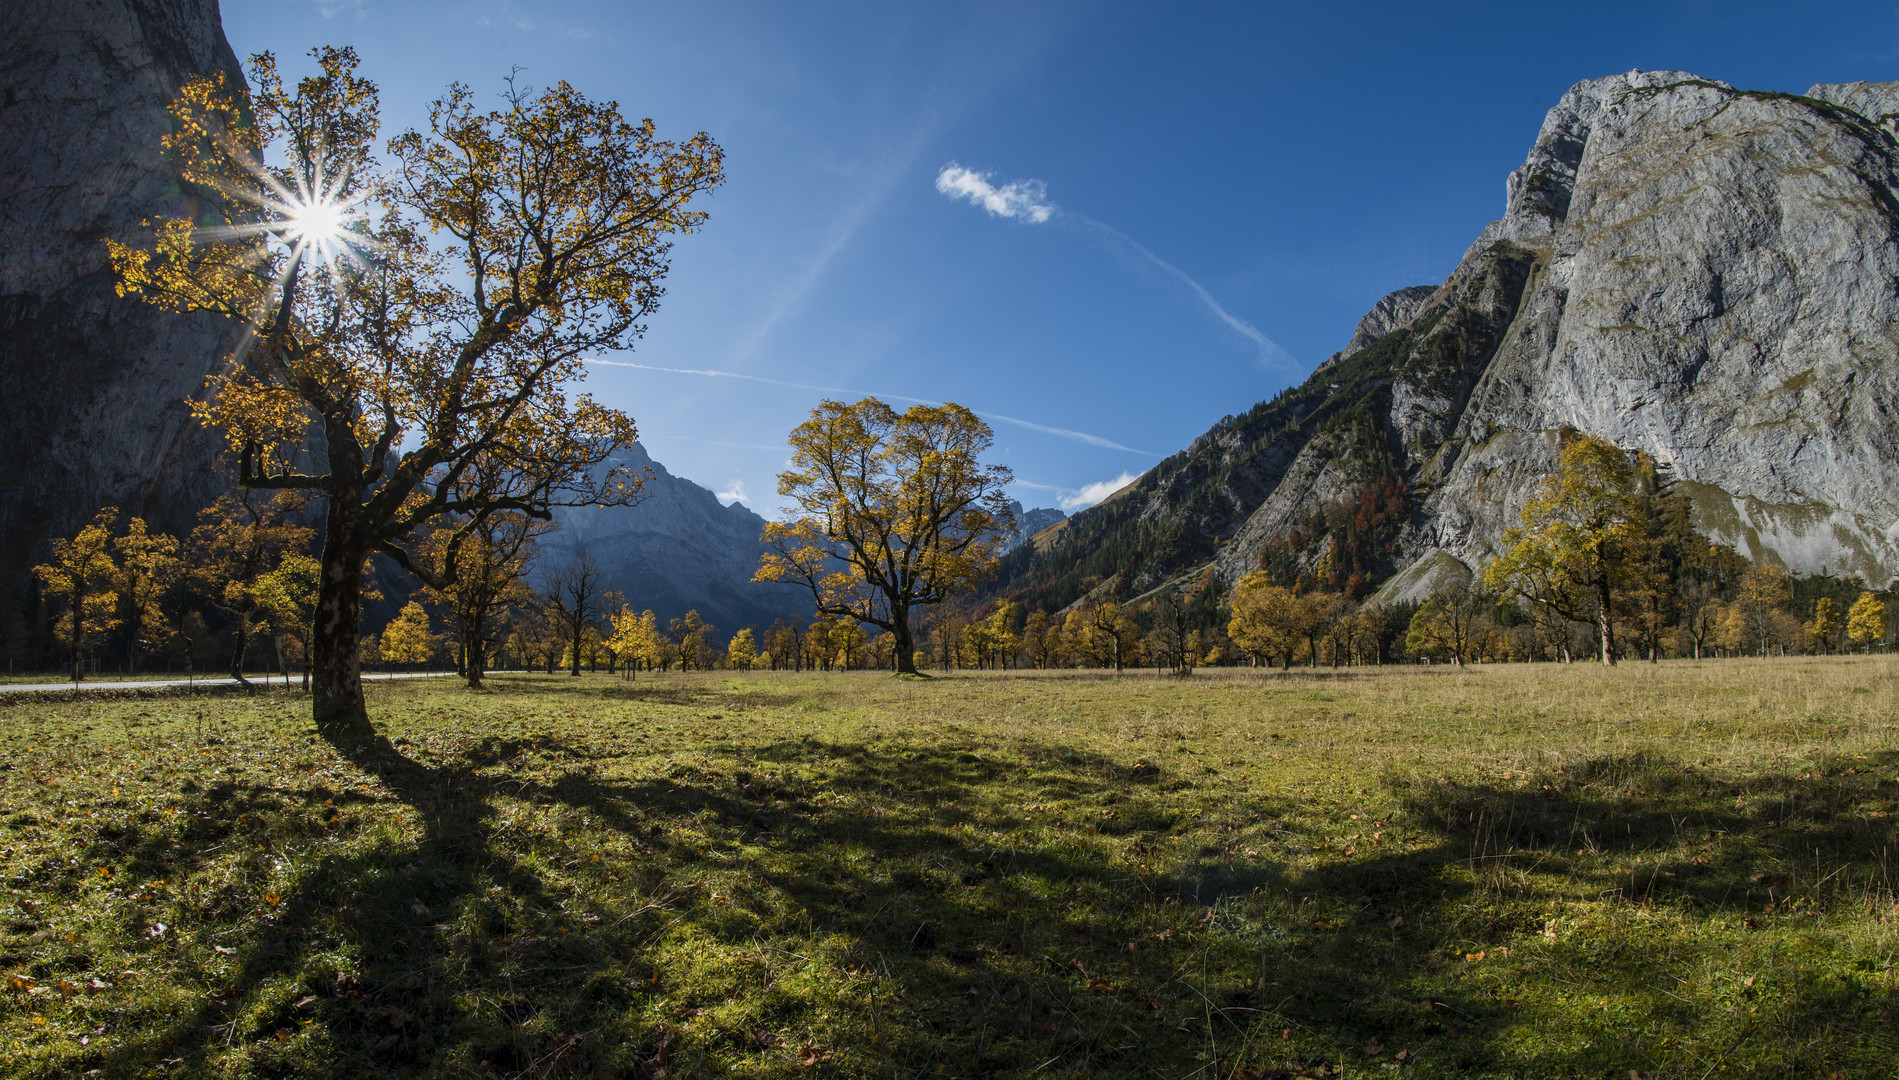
(679, 549)
(93, 384)
(1705, 274)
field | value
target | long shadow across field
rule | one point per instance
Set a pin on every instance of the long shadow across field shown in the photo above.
(993, 951)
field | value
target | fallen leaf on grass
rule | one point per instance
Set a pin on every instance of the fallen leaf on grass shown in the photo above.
(763, 1039)
(223, 951)
(810, 1055)
(1373, 1047)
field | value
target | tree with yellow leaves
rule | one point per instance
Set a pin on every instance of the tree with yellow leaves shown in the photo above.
(288, 597)
(492, 563)
(408, 639)
(149, 568)
(993, 640)
(637, 639)
(895, 511)
(741, 653)
(1756, 622)
(83, 580)
(240, 540)
(406, 322)
(1268, 620)
(1866, 621)
(1826, 625)
(1582, 541)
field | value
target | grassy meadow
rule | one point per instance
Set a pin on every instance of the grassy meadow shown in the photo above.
(1679, 871)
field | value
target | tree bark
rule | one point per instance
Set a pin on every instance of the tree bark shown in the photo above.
(242, 645)
(79, 629)
(336, 683)
(474, 650)
(905, 647)
(1605, 619)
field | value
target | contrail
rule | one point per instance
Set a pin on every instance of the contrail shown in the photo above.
(1066, 433)
(1027, 201)
(1268, 348)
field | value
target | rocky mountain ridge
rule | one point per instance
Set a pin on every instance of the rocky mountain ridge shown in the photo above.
(1706, 274)
(677, 549)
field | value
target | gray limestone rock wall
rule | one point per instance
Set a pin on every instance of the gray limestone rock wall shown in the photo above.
(1701, 273)
(93, 385)
(679, 549)
(1720, 290)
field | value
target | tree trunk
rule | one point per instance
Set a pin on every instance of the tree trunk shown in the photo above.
(79, 629)
(900, 638)
(242, 644)
(336, 684)
(1605, 620)
(474, 650)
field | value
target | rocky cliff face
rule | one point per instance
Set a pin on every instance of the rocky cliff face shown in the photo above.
(1716, 285)
(1028, 523)
(1706, 274)
(678, 549)
(93, 385)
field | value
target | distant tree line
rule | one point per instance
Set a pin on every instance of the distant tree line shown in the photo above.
(1606, 564)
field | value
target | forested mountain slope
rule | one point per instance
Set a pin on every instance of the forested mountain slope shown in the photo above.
(1705, 274)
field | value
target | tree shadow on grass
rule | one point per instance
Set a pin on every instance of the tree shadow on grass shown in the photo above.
(985, 910)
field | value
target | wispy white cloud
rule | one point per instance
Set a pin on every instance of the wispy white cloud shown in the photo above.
(883, 176)
(734, 492)
(505, 17)
(330, 9)
(1073, 499)
(1025, 200)
(1090, 494)
(1065, 433)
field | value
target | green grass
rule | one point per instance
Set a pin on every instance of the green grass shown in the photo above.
(1545, 871)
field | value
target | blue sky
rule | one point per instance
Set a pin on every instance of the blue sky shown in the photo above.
(1101, 225)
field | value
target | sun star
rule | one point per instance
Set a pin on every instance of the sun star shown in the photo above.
(319, 224)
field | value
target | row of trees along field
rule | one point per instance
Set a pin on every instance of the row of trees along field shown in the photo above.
(416, 325)
(1605, 564)
(415, 337)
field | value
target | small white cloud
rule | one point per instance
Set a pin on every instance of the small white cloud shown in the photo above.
(1022, 200)
(330, 9)
(1090, 494)
(732, 494)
